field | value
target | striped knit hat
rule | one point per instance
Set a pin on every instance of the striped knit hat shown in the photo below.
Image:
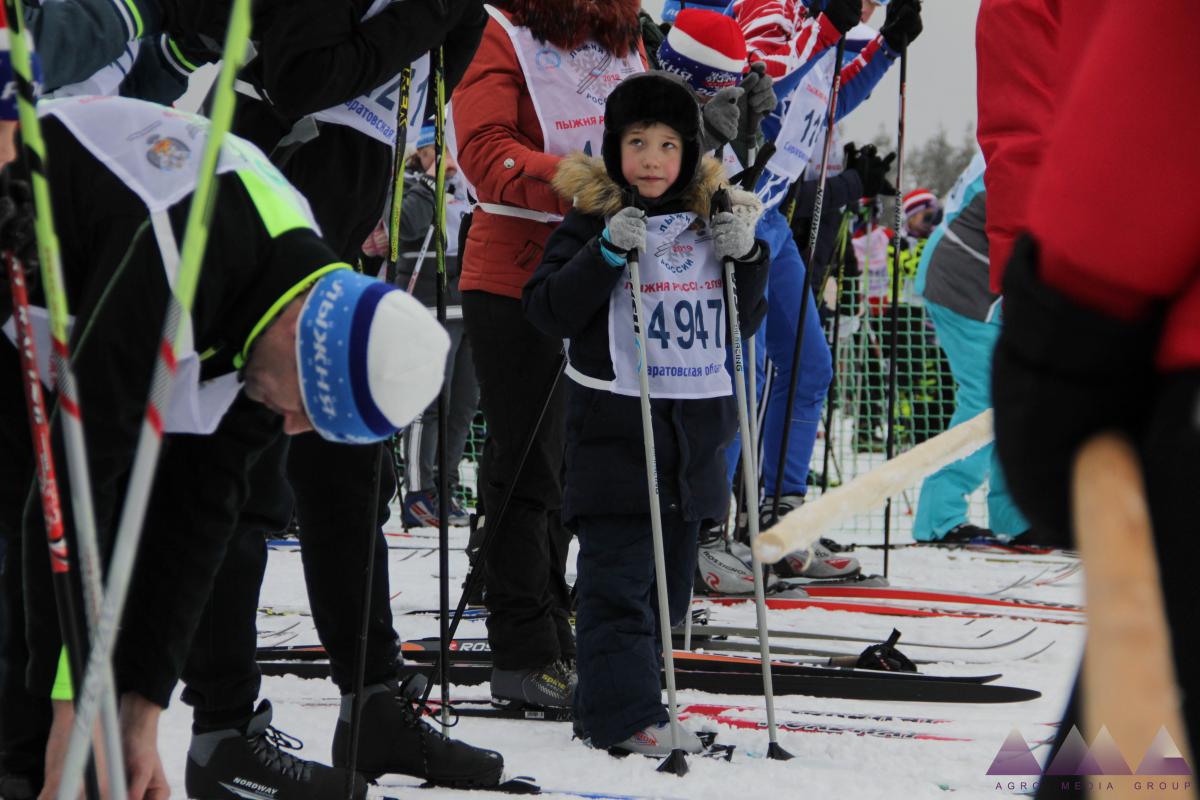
(918, 200)
(706, 49)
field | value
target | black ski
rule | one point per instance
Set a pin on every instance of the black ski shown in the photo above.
(723, 675)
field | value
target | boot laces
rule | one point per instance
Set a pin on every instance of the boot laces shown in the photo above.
(269, 747)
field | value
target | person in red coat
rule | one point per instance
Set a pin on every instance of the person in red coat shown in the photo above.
(1102, 316)
(534, 93)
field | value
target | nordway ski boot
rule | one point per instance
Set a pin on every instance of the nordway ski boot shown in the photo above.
(250, 764)
(551, 686)
(396, 739)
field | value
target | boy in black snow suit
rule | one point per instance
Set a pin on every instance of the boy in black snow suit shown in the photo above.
(581, 292)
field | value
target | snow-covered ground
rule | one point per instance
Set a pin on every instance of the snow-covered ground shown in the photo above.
(825, 763)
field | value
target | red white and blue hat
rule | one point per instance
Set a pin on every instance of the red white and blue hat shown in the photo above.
(706, 49)
(371, 358)
(918, 200)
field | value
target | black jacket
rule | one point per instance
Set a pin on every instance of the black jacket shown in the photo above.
(568, 297)
(116, 288)
(416, 219)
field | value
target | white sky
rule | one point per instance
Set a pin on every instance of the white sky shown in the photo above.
(941, 77)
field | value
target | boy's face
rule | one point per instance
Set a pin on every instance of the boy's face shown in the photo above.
(651, 156)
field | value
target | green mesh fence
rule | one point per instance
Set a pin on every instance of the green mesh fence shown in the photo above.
(856, 437)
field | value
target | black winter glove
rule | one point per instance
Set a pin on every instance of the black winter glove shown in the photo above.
(872, 170)
(844, 14)
(1061, 373)
(17, 233)
(903, 24)
(17, 236)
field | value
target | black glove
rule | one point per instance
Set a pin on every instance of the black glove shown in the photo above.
(1061, 373)
(844, 14)
(902, 25)
(872, 170)
(17, 235)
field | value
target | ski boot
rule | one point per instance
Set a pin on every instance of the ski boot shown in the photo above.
(966, 533)
(395, 739)
(818, 562)
(249, 764)
(655, 740)
(551, 686)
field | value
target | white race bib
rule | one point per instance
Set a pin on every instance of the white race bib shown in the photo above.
(568, 88)
(683, 309)
(804, 122)
(156, 150)
(196, 406)
(374, 113)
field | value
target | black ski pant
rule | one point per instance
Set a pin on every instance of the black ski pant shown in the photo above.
(24, 719)
(1170, 454)
(333, 500)
(526, 591)
(620, 689)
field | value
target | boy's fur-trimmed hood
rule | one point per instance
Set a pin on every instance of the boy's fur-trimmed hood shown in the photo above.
(584, 180)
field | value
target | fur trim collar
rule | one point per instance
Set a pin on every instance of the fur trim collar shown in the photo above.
(584, 180)
(614, 24)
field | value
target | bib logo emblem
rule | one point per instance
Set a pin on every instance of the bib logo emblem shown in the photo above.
(590, 63)
(547, 59)
(167, 153)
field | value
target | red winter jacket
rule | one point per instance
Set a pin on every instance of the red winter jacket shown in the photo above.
(1111, 206)
(500, 152)
(1016, 88)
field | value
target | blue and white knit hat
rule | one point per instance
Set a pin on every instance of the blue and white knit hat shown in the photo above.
(426, 139)
(371, 358)
(706, 49)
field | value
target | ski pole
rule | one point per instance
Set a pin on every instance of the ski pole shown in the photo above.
(412, 281)
(179, 305)
(398, 165)
(83, 512)
(720, 203)
(805, 299)
(360, 663)
(894, 311)
(676, 763)
(60, 555)
(443, 400)
(843, 238)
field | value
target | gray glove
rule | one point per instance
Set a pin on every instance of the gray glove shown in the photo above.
(732, 237)
(721, 118)
(626, 231)
(759, 89)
